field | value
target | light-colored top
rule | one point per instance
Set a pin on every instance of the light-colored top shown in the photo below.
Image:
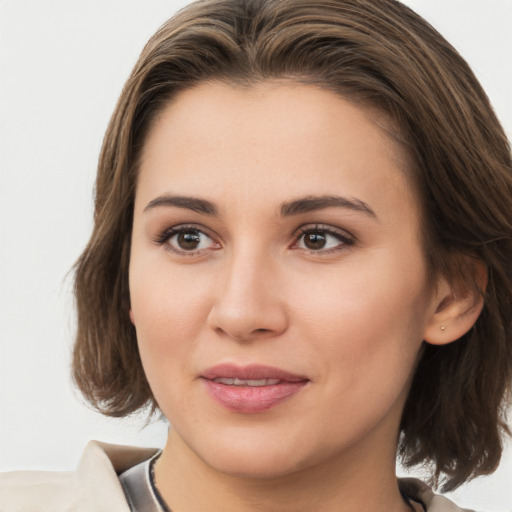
(95, 485)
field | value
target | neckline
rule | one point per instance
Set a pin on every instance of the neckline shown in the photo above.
(156, 493)
(158, 498)
(410, 500)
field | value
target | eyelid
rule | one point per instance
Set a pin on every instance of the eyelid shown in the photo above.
(164, 236)
(345, 238)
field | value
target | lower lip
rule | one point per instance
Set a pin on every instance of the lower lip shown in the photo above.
(252, 399)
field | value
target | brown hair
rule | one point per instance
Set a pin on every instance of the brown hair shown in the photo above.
(377, 52)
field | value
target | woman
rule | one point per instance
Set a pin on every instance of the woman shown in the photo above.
(301, 257)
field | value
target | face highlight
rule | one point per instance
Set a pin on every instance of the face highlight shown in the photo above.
(278, 286)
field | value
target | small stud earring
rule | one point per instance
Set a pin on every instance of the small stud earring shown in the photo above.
(443, 328)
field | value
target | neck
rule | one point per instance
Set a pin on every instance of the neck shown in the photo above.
(350, 482)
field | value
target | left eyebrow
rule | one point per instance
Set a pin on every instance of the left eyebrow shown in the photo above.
(315, 203)
(189, 203)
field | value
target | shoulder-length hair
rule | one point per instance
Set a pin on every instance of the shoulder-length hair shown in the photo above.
(378, 54)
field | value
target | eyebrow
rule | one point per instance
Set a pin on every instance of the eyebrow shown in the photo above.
(315, 203)
(288, 209)
(190, 203)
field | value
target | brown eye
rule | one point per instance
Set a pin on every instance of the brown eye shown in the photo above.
(315, 240)
(323, 240)
(188, 240)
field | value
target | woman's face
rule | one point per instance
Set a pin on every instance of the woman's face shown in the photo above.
(278, 286)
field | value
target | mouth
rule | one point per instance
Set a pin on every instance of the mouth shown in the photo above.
(246, 382)
(251, 389)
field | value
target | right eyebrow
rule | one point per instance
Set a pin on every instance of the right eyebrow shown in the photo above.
(316, 203)
(189, 203)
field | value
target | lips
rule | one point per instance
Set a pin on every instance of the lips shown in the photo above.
(251, 389)
(228, 381)
(251, 372)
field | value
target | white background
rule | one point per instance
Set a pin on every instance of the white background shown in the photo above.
(62, 66)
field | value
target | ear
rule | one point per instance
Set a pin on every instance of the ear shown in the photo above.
(132, 318)
(457, 306)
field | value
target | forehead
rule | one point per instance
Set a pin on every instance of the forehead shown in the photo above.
(271, 139)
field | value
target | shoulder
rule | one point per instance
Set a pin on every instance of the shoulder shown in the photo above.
(93, 487)
(433, 502)
(22, 489)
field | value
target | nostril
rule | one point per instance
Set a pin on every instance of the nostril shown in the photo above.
(246, 316)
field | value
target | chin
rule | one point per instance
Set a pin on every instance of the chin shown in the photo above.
(253, 458)
(256, 465)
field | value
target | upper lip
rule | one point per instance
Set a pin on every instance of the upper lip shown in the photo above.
(250, 372)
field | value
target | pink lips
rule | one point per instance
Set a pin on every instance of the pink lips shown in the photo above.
(251, 389)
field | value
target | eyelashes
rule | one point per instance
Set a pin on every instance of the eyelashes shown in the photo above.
(187, 240)
(323, 239)
(192, 240)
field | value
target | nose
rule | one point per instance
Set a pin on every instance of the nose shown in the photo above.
(248, 303)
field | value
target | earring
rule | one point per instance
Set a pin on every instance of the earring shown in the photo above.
(443, 328)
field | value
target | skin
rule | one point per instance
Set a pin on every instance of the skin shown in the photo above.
(351, 317)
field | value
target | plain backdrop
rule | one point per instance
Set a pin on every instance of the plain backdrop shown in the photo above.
(62, 67)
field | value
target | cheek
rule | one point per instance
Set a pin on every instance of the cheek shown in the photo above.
(164, 300)
(366, 322)
(169, 311)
